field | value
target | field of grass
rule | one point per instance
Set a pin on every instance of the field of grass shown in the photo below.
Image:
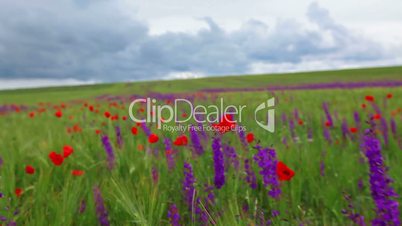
(140, 182)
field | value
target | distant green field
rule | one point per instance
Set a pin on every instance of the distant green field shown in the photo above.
(175, 86)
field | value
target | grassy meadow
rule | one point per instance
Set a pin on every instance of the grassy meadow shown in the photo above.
(141, 182)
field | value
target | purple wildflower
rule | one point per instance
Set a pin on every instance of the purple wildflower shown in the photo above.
(383, 194)
(146, 130)
(292, 129)
(3, 218)
(350, 212)
(284, 118)
(275, 213)
(155, 175)
(173, 215)
(285, 141)
(242, 137)
(322, 168)
(109, 151)
(118, 137)
(267, 161)
(345, 129)
(83, 206)
(384, 130)
(201, 213)
(101, 210)
(356, 117)
(250, 178)
(309, 134)
(195, 140)
(209, 190)
(327, 113)
(219, 167)
(296, 114)
(188, 185)
(168, 153)
(245, 207)
(327, 135)
(231, 157)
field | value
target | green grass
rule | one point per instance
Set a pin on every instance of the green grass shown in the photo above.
(52, 196)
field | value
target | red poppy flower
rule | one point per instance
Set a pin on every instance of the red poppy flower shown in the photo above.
(18, 192)
(107, 114)
(389, 95)
(169, 152)
(124, 118)
(77, 128)
(77, 173)
(29, 169)
(184, 115)
(353, 130)
(58, 114)
(376, 116)
(225, 125)
(300, 122)
(91, 108)
(32, 114)
(364, 106)
(328, 124)
(181, 140)
(98, 131)
(67, 151)
(134, 130)
(153, 138)
(284, 172)
(250, 137)
(57, 159)
(369, 98)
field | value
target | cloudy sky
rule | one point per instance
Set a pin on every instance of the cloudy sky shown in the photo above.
(47, 42)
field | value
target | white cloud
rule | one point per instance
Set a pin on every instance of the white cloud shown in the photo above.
(105, 41)
(36, 83)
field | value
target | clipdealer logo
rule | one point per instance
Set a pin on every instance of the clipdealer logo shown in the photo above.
(199, 113)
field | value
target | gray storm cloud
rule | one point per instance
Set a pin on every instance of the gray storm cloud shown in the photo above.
(94, 40)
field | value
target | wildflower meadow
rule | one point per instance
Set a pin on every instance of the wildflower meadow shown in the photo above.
(74, 156)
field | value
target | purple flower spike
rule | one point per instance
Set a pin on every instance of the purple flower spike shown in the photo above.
(327, 113)
(327, 135)
(267, 161)
(383, 194)
(101, 210)
(119, 139)
(173, 215)
(218, 163)
(196, 142)
(109, 151)
(250, 178)
(145, 128)
(169, 154)
(188, 185)
(231, 157)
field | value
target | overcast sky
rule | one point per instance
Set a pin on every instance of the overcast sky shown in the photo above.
(46, 42)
